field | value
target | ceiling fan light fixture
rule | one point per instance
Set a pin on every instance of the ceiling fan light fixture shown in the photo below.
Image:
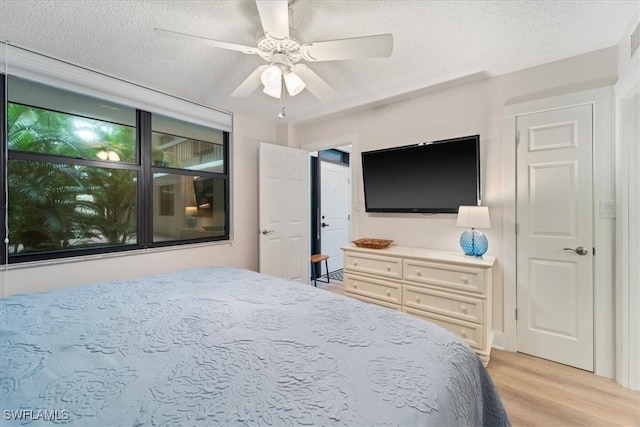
(271, 77)
(283, 49)
(294, 83)
(274, 90)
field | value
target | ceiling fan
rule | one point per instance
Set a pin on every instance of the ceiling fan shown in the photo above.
(284, 54)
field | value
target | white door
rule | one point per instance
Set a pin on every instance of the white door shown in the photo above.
(334, 211)
(284, 212)
(555, 235)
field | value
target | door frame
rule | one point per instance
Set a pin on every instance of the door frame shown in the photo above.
(602, 100)
(354, 167)
(628, 231)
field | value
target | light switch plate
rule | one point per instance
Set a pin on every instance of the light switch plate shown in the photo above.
(607, 209)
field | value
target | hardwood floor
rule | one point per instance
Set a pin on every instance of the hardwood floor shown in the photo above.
(334, 286)
(537, 392)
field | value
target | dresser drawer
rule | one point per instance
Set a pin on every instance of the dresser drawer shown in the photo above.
(373, 288)
(445, 275)
(447, 304)
(472, 333)
(373, 264)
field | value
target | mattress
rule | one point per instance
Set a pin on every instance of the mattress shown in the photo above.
(227, 346)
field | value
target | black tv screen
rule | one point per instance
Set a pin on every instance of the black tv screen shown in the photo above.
(429, 177)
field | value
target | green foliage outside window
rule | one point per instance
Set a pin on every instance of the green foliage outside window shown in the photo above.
(60, 204)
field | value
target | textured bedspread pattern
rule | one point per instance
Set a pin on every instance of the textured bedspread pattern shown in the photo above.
(226, 346)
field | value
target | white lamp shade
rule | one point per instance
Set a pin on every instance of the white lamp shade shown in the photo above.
(191, 211)
(271, 76)
(294, 83)
(273, 91)
(272, 80)
(473, 217)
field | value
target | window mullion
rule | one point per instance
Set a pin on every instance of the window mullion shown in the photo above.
(3, 168)
(227, 187)
(145, 183)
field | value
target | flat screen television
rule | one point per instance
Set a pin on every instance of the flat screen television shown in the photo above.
(428, 177)
(204, 193)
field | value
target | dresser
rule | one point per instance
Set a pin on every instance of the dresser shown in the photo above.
(446, 288)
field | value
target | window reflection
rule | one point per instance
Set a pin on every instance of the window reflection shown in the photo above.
(199, 207)
(177, 144)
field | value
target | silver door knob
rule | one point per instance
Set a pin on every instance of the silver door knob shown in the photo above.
(579, 250)
(266, 232)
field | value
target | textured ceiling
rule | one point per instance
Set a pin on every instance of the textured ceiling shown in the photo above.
(434, 42)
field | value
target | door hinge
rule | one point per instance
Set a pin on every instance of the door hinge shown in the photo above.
(517, 137)
(594, 251)
(517, 228)
(516, 314)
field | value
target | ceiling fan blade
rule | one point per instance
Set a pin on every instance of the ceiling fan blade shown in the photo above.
(378, 46)
(203, 40)
(274, 15)
(250, 84)
(314, 84)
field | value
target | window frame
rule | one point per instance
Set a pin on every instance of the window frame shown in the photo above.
(144, 199)
(3, 166)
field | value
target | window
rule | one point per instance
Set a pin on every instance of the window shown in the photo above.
(57, 206)
(191, 158)
(201, 211)
(85, 175)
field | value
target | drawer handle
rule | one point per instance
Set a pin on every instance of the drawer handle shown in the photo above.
(418, 299)
(418, 273)
(355, 285)
(465, 280)
(463, 333)
(388, 293)
(355, 263)
(463, 308)
(388, 268)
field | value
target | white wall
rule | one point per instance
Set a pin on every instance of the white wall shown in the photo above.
(473, 108)
(241, 252)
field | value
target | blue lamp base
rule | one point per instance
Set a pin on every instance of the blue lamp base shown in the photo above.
(474, 243)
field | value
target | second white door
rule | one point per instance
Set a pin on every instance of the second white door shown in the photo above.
(334, 212)
(555, 235)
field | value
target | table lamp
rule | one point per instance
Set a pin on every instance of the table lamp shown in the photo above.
(472, 241)
(191, 212)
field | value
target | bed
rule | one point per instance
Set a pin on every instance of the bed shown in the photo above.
(227, 346)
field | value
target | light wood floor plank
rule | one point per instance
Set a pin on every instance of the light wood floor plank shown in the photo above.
(537, 392)
(558, 383)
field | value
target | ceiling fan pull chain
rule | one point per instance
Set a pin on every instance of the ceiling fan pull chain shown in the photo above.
(282, 112)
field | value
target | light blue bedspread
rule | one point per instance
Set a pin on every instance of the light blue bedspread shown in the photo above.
(223, 346)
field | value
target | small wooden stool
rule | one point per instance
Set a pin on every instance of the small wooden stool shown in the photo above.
(315, 258)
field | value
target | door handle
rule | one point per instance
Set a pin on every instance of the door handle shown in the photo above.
(324, 224)
(266, 232)
(579, 250)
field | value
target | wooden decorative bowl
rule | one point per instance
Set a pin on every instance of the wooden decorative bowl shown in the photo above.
(372, 243)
